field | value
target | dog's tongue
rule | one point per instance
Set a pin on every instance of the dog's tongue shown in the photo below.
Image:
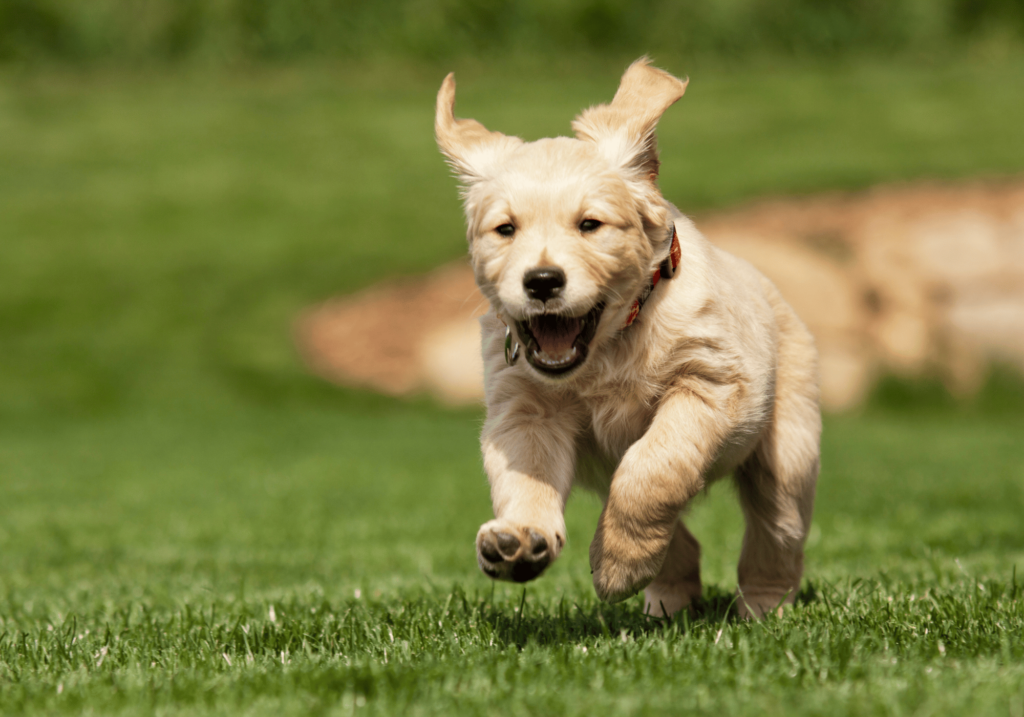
(555, 334)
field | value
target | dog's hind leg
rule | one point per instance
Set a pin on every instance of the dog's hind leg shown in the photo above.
(776, 489)
(677, 585)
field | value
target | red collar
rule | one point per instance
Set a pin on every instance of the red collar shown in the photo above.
(667, 269)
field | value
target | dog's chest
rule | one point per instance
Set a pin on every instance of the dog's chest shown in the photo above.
(619, 416)
(617, 420)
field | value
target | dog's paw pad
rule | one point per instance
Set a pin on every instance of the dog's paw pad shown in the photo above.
(540, 544)
(517, 554)
(508, 544)
(489, 550)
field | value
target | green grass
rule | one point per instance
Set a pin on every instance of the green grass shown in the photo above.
(159, 231)
(170, 551)
(190, 525)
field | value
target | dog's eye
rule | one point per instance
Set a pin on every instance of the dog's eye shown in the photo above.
(506, 230)
(589, 225)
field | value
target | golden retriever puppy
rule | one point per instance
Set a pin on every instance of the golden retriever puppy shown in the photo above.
(625, 354)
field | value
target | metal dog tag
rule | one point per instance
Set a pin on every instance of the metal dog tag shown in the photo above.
(511, 350)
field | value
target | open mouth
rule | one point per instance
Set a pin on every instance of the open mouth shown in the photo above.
(557, 344)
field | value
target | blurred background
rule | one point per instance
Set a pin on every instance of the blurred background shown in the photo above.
(181, 179)
(206, 206)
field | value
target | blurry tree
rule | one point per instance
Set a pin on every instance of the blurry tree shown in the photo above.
(734, 30)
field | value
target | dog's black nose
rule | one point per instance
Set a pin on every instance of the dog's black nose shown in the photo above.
(544, 282)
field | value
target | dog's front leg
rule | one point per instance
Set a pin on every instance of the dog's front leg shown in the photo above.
(529, 456)
(659, 473)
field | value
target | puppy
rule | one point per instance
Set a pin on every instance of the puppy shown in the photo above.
(625, 354)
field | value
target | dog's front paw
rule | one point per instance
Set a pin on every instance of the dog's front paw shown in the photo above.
(624, 562)
(519, 553)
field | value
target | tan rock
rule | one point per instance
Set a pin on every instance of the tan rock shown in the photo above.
(446, 371)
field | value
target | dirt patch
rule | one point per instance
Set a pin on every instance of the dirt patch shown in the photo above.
(909, 279)
(395, 337)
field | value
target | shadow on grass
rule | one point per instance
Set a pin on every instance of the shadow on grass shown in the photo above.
(571, 623)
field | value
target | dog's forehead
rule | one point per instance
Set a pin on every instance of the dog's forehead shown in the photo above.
(554, 157)
(558, 171)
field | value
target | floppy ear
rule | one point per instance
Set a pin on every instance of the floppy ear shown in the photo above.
(624, 129)
(471, 149)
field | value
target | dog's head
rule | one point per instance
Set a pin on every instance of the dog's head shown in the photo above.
(564, 233)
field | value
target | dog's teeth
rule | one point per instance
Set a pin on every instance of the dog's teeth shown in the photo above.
(557, 362)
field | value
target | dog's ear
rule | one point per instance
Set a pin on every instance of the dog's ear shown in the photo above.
(624, 129)
(471, 149)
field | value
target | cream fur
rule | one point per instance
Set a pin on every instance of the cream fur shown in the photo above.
(716, 377)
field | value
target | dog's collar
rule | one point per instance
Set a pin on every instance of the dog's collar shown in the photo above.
(666, 270)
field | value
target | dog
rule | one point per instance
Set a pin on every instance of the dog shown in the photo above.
(625, 354)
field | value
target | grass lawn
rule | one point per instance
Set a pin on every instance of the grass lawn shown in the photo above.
(190, 525)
